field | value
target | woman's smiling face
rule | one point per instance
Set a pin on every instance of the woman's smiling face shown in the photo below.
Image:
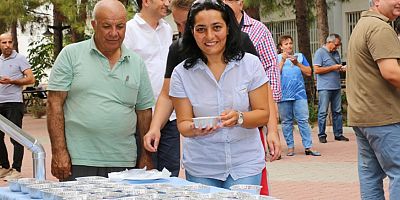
(210, 32)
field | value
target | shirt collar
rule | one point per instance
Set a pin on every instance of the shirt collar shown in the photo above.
(13, 55)
(246, 20)
(142, 22)
(200, 65)
(370, 13)
(93, 48)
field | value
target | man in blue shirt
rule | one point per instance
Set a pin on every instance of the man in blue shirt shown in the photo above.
(327, 65)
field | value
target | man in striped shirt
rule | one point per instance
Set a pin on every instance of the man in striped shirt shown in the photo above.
(264, 43)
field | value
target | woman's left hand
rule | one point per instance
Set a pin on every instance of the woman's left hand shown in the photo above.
(229, 118)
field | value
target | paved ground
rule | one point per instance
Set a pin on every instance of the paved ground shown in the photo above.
(331, 176)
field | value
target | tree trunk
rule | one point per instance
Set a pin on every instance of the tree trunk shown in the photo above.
(79, 34)
(14, 35)
(322, 20)
(304, 42)
(57, 27)
(253, 12)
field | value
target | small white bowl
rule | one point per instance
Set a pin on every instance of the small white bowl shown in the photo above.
(203, 122)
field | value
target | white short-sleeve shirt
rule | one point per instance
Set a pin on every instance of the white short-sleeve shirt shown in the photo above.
(234, 151)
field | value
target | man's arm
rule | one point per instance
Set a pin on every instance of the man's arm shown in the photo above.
(162, 112)
(26, 80)
(390, 70)
(61, 161)
(324, 70)
(273, 140)
(143, 124)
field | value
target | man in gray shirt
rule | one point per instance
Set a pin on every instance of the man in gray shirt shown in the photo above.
(14, 73)
(327, 65)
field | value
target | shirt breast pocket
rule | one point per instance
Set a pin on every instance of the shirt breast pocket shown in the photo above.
(241, 98)
(128, 93)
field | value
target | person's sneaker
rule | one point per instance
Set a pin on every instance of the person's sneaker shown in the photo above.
(322, 139)
(3, 172)
(342, 138)
(13, 174)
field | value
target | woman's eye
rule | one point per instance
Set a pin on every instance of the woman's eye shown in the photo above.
(200, 30)
(217, 28)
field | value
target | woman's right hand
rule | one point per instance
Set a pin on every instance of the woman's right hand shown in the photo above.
(284, 56)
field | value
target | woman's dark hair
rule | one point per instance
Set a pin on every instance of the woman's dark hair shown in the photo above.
(233, 49)
(281, 39)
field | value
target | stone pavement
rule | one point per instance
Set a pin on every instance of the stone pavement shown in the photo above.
(331, 176)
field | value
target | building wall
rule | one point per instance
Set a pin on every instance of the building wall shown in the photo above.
(341, 16)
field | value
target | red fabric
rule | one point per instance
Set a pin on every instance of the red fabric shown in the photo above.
(264, 180)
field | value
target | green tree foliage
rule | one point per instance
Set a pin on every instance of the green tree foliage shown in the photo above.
(40, 56)
(21, 11)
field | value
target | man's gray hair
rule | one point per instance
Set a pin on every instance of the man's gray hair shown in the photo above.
(332, 37)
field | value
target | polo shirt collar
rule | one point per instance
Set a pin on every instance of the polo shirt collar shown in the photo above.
(370, 13)
(13, 55)
(124, 50)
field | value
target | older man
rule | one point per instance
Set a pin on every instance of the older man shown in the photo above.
(15, 72)
(373, 94)
(99, 92)
(327, 65)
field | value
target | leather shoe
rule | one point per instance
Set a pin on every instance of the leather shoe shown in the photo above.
(312, 153)
(322, 139)
(290, 152)
(342, 138)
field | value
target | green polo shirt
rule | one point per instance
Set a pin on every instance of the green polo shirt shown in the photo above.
(100, 117)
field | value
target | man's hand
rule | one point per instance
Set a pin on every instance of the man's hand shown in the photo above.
(274, 145)
(151, 140)
(61, 165)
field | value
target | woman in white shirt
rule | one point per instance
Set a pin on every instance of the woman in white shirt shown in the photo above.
(219, 79)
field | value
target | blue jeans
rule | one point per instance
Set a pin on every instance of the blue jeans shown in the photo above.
(250, 180)
(335, 98)
(298, 110)
(378, 157)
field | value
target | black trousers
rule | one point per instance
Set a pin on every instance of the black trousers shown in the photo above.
(80, 171)
(168, 152)
(13, 111)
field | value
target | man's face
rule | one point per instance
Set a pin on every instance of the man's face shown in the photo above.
(333, 46)
(109, 28)
(180, 17)
(336, 44)
(159, 7)
(389, 8)
(236, 5)
(6, 44)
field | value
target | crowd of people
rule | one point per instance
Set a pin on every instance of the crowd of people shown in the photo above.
(123, 98)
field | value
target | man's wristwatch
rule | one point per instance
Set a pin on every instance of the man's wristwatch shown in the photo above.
(240, 119)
